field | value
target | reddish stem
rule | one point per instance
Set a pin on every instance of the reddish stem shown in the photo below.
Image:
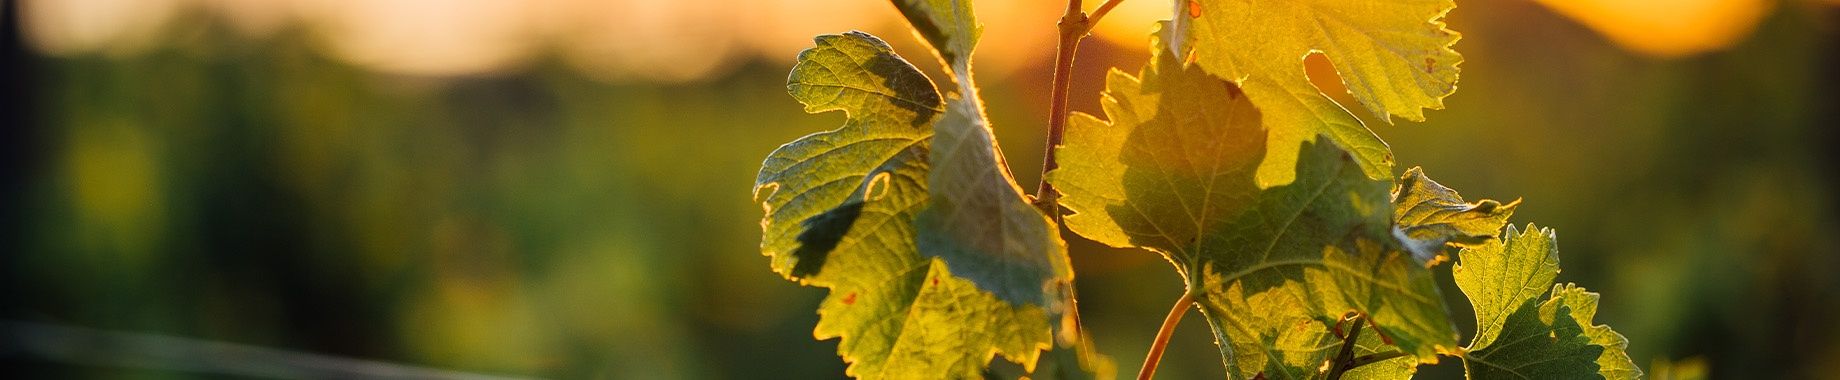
(1162, 335)
(1074, 26)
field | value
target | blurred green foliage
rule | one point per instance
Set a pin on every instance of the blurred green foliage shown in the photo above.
(540, 223)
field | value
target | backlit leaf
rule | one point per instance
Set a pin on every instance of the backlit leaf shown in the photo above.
(1077, 361)
(979, 221)
(815, 190)
(841, 211)
(1427, 215)
(1399, 368)
(1520, 336)
(949, 25)
(1272, 267)
(1394, 57)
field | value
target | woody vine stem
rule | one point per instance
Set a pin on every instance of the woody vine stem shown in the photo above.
(1074, 26)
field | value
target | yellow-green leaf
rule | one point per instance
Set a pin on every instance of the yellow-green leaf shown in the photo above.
(949, 25)
(841, 208)
(1427, 215)
(1273, 268)
(1500, 276)
(1076, 361)
(1393, 55)
(1399, 368)
(979, 221)
(817, 188)
(1519, 336)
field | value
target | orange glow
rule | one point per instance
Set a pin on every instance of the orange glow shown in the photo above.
(89, 26)
(426, 37)
(614, 40)
(1129, 23)
(1667, 28)
(1016, 33)
(684, 41)
(779, 29)
(251, 18)
(642, 40)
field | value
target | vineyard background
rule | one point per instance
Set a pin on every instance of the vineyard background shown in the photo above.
(561, 188)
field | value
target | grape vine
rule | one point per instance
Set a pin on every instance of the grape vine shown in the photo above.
(1278, 209)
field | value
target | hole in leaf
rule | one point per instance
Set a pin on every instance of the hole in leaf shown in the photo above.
(877, 187)
(1322, 74)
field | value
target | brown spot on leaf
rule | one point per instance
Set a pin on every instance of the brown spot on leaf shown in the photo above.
(1429, 63)
(849, 299)
(1194, 8)
(935, 281)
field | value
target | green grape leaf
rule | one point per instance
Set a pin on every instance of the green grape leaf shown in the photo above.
(1077, 361)
(1299, 115)
(1519, 336)
(841, 212)
(1394, 55)
(1427, 215)
(949, 26)
(1272, 267)
(979, 222)
(1369, 343)
(1499, 277)
(816, 189)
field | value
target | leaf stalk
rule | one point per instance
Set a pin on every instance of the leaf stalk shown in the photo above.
(1344, 358)
(1163, 333)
